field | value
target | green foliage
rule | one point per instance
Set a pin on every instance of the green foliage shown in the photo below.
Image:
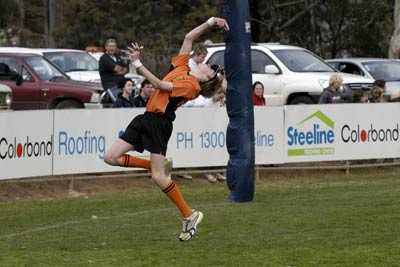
(328, 27)
(361, 28)
(9, 13)
(159, 25)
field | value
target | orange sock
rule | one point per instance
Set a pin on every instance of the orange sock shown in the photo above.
(131, 161)
(175, 196)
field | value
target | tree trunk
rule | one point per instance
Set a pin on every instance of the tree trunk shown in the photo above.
(255, 14)
(394, 49)
(21, 21)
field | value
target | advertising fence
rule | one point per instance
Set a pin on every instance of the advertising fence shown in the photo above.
(55, 142)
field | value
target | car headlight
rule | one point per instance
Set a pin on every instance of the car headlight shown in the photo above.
(95, 98)
(8, 99)
(324, 83)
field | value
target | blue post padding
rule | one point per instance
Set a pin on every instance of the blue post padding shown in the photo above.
(239, 102)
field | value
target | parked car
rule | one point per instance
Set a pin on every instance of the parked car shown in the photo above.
(373, 68)
(38, 84)
(77, 64)
(290, 74)
(5, 97)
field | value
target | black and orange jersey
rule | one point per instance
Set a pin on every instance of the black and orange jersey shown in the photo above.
(184, 88)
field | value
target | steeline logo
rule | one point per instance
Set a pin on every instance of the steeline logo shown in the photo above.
(315, 140)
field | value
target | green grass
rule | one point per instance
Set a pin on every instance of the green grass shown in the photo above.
(320, 221)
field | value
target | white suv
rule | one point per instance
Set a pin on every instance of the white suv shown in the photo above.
(290, 74)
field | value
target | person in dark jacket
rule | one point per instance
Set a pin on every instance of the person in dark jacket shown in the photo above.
(123, 99)
(112, 70)
(332, 94)
(146, 90)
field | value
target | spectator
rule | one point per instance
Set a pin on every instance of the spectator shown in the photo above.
(112, 70)
(258, 94)
(197, 57)
(377, 92)
(123, 98)
(332, 94)
(146, 90)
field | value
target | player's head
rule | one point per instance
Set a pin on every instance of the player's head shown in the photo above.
(199, 53)
(214, 78)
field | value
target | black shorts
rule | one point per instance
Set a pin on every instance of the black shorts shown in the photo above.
(149, 131)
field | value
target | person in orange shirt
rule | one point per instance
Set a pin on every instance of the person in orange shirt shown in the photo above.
(151, 131)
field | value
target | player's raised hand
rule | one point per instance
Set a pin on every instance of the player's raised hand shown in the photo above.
(222, 24)
(218, 22)
(134, 51)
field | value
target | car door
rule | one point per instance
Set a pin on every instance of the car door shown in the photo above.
(273, 84)
(26, 95)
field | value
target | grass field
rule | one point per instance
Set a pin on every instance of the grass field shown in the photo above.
(327, 220)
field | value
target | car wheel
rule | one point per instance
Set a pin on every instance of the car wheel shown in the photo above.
(68, 104)
(302, 100)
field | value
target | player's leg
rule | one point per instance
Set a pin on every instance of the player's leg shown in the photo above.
(116, 156)
(191, 217)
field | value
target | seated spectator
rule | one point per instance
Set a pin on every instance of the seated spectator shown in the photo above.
(364, 98)
(146, 90)
(377, 92)
(332, 94)
(258, 94)
(123, 98)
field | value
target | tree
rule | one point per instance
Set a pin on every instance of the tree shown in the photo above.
(328, 27)
(394, 49)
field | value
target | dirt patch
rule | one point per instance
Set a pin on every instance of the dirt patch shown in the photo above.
(62, 188)
(70, 186)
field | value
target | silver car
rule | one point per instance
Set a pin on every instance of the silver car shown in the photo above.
(375, 68)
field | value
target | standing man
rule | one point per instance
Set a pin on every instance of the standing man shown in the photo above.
(112, 70)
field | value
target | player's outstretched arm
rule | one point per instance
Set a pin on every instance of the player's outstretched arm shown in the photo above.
(134, 54)
(194, 34)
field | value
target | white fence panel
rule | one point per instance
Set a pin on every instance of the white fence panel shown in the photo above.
(26, 143)
(342, 132)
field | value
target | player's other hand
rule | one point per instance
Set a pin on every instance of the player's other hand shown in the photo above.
(221, 23)
(134, 51)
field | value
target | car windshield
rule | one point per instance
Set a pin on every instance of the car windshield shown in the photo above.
(44, 69)
(302, 61)
(73, 61)
(384, 70)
